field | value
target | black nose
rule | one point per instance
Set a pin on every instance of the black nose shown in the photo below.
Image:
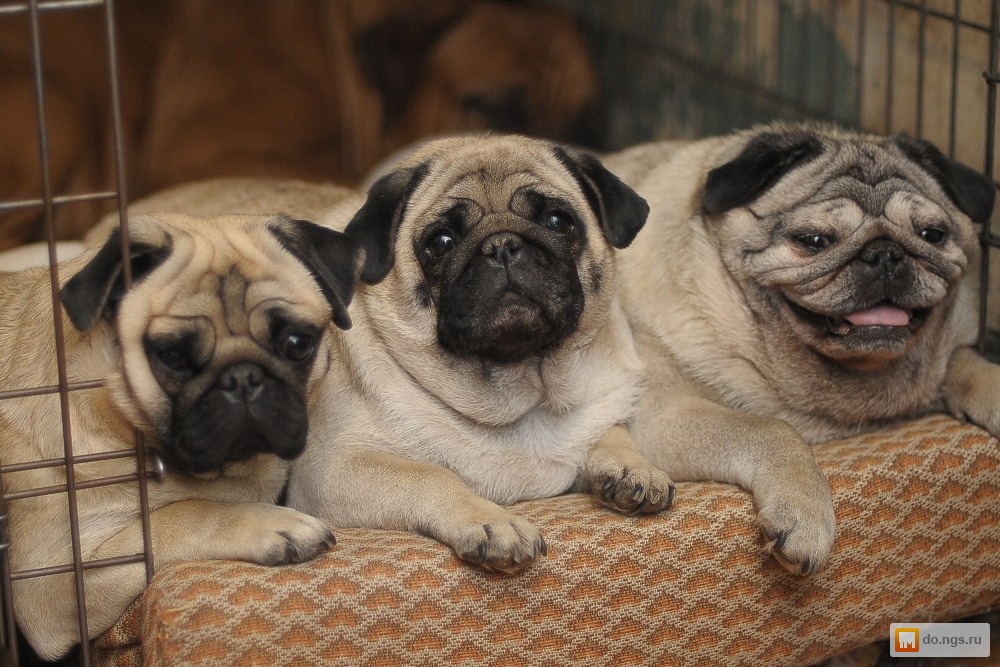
(241, 382)
(503, 247)
(884, 254)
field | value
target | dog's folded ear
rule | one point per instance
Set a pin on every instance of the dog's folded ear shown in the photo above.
(332, 258)
(761, 164)
(100, 285)
(376, 223)
(621, 212)
(971, 191)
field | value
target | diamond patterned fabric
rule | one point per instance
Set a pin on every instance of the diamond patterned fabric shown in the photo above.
(918, 510)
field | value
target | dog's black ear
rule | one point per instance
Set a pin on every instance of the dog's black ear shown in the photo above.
(332, 258)
(100, 285)
(971, 191)
(764, 160)
(375, 225)
(391, 56)
(621, 211)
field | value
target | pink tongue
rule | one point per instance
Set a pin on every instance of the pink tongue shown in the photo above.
(883, 316)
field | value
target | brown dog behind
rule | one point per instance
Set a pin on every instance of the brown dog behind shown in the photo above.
(309, 89)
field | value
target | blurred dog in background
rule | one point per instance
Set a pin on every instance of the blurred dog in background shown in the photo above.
(311, 89)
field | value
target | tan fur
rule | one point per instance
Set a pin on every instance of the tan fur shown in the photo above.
(241, 195)
(227, 515)
(37, 254)
(407, 436)
(411, 437)
(738, 388)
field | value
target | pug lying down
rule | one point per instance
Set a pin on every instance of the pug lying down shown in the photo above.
(489, 360)
(214, 353)
(798, 283)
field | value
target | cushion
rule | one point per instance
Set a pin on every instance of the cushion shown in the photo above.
(918, 539)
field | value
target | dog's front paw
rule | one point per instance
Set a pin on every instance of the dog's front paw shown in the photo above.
(501, 541)
(971, 388)
(621, 477)
(637, 489)
(799, 530)
(287, 536)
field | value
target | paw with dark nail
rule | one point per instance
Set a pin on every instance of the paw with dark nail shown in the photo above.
(643, 490)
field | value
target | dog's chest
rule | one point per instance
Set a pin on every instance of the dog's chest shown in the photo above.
(537, 457)
(516, 437)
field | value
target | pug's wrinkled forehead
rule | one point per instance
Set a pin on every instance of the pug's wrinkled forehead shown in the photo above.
(230, 269)
(491, 175)
(488, 170)
(780, 168)
(869, 174)
(177, 262)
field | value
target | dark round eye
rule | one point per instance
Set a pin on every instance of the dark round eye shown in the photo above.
(297, 346)
(440, 245)
(814, 242)
(558, 221)
(175, 359)
(932, 235)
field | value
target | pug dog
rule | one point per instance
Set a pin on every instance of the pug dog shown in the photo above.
(214, 354)
(490, 360)
(798, 283)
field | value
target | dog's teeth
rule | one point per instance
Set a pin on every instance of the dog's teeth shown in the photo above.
(838, 328)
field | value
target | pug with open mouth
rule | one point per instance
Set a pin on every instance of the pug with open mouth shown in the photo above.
(215, 354)
(798, 283)
(490, 360)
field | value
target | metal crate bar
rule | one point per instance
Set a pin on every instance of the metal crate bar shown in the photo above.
(47, 5)
(50, 389)
(43, 143)
(53, 463)
(77, 486)
(992, 77)
(119, 146)
(86, 565)
(56, 201)
(47, 204)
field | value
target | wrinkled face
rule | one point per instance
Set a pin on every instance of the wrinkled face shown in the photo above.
(498, 254)
(232, 361)
(496, 249)
(857, 254)
(489, 268)
(223, 336)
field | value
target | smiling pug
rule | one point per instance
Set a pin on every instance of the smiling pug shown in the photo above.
(798, 283)
(490, 360)
(214, 354)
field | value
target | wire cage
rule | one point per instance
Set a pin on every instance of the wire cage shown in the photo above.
(31, 16)
(669, 68)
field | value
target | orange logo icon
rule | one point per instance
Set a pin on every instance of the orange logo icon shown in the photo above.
(907, 640)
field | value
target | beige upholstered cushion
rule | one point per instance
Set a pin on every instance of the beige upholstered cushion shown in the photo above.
(918, 510)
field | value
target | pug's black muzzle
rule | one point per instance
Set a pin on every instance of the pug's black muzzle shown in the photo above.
(247, 411)
(509, 295)
(885, 272)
